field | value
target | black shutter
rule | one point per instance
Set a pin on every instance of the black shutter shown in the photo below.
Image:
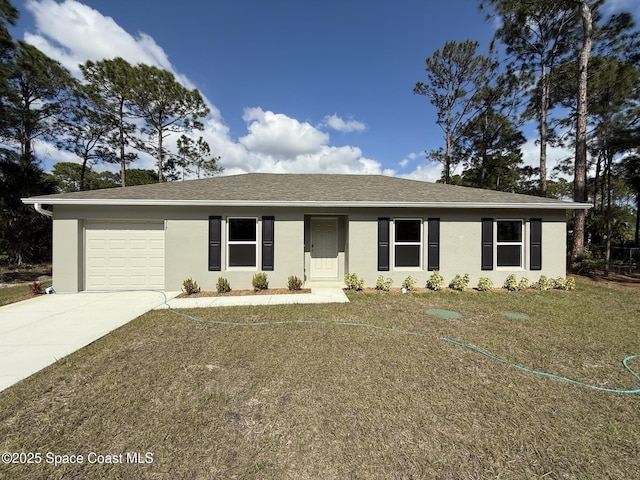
(433, 244)
(267, 243)
(215, 244)
(535, 244)
(487, 244)
(383, 244)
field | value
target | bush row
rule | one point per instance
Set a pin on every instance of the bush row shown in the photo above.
(461, 282)
(260, 281)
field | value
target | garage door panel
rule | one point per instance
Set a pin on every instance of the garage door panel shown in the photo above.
(124, 255)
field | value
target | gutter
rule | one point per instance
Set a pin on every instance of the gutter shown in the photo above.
(308, 203)
(42, 211)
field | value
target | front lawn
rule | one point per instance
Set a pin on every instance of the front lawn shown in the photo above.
(322, 400)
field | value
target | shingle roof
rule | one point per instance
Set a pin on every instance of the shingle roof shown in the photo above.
(302, 189)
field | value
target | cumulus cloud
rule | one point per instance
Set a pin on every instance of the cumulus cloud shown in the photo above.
(73, 33)
(337, 123)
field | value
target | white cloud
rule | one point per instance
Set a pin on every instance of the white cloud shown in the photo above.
(427, 172)
(337, 123)
(408, 159)
(73, 33)
(531, 155)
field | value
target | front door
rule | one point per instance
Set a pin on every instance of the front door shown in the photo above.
(324, 248)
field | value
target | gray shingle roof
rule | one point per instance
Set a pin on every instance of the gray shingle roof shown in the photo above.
(298, 189)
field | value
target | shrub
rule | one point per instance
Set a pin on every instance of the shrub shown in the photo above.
(511, 283)
(37, 288)
(543, 283)
(564, 283)
(353, 281)
(294, 283)
(459, 283)
(523, 284)
(222, 285)
(435, 281)
(409, 283)
(260, 281)
(485, 284)
(384, 284)
(190, 286)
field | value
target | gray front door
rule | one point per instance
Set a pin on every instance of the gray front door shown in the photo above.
(324, 248)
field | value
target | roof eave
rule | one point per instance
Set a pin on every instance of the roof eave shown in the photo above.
(309, 203)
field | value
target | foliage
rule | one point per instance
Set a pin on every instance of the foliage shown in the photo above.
(190, 286)
(561, 283)
(353, 282)
(510, 283)
(166, 107)
(37, 288)
(543, 283)
(459, 282)
(294, 283)
(194, 155)
(384, 284)
(409, 283)
(436, 281)
(523, 284)
(260, 281)
(454, 76)
(485, 284)
(222, 285)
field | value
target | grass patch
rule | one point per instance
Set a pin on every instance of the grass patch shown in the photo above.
(15, 294)
(304, 400)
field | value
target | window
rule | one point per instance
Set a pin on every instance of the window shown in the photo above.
(509, 245)
(407, 249)
(242, 242)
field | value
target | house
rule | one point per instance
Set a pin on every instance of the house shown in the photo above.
(315, 226)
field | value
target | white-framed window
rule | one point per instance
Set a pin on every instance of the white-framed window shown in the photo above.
(242, 242)
(510, 243)
(407, 243)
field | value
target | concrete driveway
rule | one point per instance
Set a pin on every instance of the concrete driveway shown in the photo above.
(37, 332)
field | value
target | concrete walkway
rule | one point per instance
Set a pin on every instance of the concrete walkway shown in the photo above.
(317, 295)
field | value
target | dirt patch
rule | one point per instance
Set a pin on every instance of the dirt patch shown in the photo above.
(11, 275)
(613, 280)
(241, 293)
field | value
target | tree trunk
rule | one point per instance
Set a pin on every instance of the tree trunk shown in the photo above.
(123, 161)
(637, 232)
(580, 171)
(447, 160)
(160, 162)
(544, 135)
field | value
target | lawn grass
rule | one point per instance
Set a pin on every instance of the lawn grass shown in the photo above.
(307, 401)
(15, 294)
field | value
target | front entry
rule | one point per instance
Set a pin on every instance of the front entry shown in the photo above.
(324, 248)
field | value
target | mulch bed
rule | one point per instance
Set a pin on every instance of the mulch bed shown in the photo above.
(240, 293)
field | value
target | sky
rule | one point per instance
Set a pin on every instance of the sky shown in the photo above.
(294, 86)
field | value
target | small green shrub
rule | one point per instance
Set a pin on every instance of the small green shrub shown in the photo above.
(260, 281)
(564, 283)
(435, 281)
(409, 283)
(543, 283)
(511, 283)
(353, 282)
(459, 282)
(485, 284)
(523, 284)
(384, 284)
(294, 283)
(570, 284)
(190, 286)
(222, 285)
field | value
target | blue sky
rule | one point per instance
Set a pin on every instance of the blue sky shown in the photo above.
(294, 85)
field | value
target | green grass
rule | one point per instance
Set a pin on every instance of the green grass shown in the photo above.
(15, 294)
(301, 400)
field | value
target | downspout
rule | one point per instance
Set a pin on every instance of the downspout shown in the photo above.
(38, 208)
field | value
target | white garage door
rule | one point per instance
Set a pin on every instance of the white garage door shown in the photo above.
(124, 255)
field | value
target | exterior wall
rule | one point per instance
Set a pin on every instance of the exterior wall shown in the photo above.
(187, 230)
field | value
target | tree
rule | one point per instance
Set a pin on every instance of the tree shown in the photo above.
(631, 174)
(490, 141)
(454, 76)
(110, 85)
(38, 88)
(8, 16)
(166, 107)
(537, 34)
(84, 131)
(195, 153)
(25, 236)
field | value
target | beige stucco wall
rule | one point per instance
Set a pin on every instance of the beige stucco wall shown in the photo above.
(186, 243)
